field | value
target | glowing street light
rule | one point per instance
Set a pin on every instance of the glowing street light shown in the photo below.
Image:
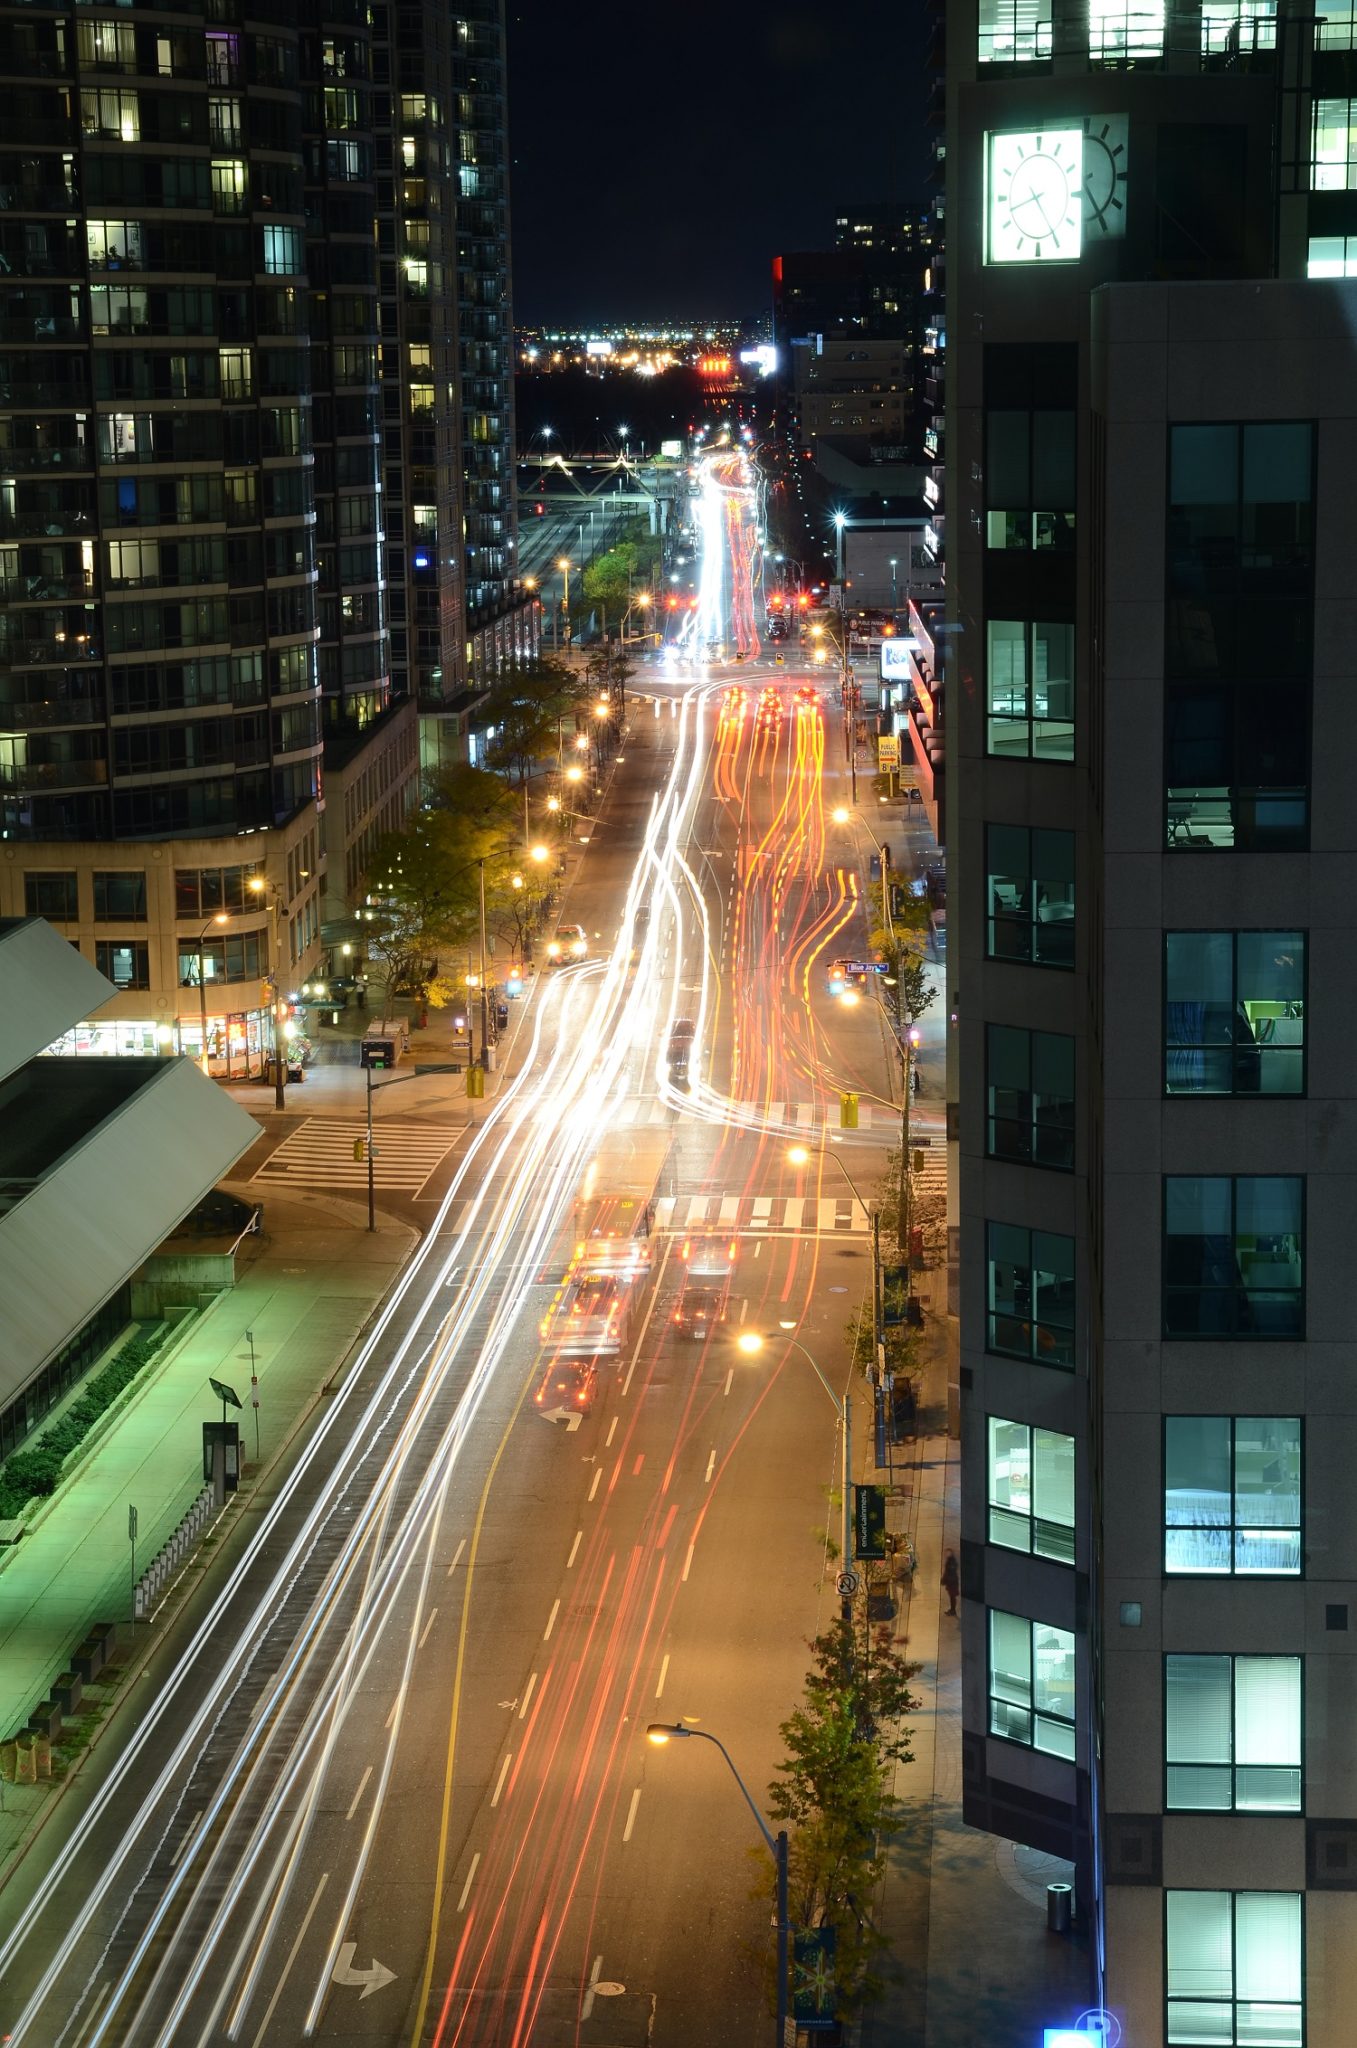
(752, 1341)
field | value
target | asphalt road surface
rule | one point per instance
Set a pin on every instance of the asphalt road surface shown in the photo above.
(389, 1782)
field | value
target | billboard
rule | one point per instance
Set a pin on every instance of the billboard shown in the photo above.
(896, 666)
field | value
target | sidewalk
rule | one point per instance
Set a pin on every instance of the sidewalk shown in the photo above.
(305, 1288)
(972, 1963)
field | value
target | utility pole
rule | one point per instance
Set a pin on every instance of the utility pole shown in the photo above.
(372, 1188)
(487, 1050)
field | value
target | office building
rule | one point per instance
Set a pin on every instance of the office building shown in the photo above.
(1150, 431)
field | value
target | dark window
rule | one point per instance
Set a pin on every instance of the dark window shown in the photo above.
(1234, 1013)
(1030, 1294)
(1030, 894)
(1238, 634)
(120, 894)
(52, 895)
(125, 962)
(1030, 1096)
(1234, 1255)
(235, 959)
(1029, 689)
(1199, 187)
(1232, 1495)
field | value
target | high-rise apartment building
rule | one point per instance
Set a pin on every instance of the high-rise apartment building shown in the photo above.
(1150, 432)
(254, 324)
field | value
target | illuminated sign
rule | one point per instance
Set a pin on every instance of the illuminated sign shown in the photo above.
(598, 348)
(672, 451)
(896, 666)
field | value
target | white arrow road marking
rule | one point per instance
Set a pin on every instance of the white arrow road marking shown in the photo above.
(373, 1979)
(571, 1417)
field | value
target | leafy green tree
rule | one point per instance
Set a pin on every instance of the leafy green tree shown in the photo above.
(609, 580)
(526, 707)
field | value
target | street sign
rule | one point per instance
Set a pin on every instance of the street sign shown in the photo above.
(254, 1390)
(847, 1584)
(228, 1396)
(870, 1522)
(813, 1978)
(848, 1111)
(888, 750)
(131, 1523)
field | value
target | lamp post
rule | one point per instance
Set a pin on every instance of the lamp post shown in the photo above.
(262, 887)
(895, 563)
(563, 564)
(801, 1155)
(842, 816)
(663, 1732)
(219, 918)
(750, 1341)
(487, 1049)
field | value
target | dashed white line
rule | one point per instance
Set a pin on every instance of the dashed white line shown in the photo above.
(590, 1990)
(291, 1959)
(744, 1306)
(433, 1616)
(688, 1560)
(503, 1774)
(457, 1557)
(395, 1706)
(362, 1787)
(631, 1814)
(573, 1549)
(711, 1465)
(594, 1488)
(612, 1432)
(527, 1695)
(466, 1888)
(664, 1673)
(730, 1376)
(192, 1831)
(551, 1620)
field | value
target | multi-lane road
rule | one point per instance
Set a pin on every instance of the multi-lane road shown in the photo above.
(389, 1783)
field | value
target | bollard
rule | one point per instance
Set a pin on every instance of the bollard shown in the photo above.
(1059, 1908)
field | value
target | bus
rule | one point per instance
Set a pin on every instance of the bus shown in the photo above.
(612, 1247)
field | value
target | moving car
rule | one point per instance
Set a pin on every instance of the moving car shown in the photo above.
(679, 1052)
(777, 627)
(568, 1383)
(569, 944)
(708, 1266)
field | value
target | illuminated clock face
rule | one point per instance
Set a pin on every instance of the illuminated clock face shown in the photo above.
(1035, 197)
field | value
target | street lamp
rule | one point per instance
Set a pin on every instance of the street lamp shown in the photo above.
(750, 1341)
(262, 887)
(801, 1155)
(661, 1733)
(895, 563)
(563, 564)
(220, 918)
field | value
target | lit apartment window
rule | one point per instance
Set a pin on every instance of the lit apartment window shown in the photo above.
(124, 962)
(1234, 1013)
(1336, 26)
(1030, 894)
(1030, 689)
(1030, 1294)
(1031, 1683)
(1231, 28)
(224, 122)
(114, 244)
(1331, 256)
(112, 114)
(1233, 1966)
(1012, 32)
(1232, 1734)
(1333, 166)
(1234, 1255)
(1122, 28)
(229, 186)
(1030, 1096)
(1031, 1489)
(1232, 1495)
(284, 251)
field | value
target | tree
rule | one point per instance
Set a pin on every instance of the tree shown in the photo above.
(843, 1742)
(525, 708)
(608, 580)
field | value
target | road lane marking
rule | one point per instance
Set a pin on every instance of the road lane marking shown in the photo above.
(688, 1559)
(527, 1695)
(758, 1246)
(588, 2005)
(664, 1673)
(457, 1557)
(730, 1375)
(395, 1706)
(711, 1465)
(573, 1548)
(594, 1488)
(362, 1787)
(744, 1307)
(433, 1616)
(616, 1472)
(551, 1620)
(612, 1432)
(631, 1814)
(98, 2005)
(291, 1959)
(503, 1774)
(192, 1831)
(466, 1888)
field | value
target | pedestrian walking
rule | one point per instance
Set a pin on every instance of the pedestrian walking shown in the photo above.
(951, 1580)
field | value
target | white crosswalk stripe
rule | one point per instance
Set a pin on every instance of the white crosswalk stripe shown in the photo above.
(320, 1152)
(751, 1214)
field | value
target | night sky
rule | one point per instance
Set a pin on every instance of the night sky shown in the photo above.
(662, 156)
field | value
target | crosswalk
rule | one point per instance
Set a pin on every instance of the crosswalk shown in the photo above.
(748, 1215)
(779, 1116)
(320, 1153)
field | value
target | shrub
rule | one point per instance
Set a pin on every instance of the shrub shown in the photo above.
(33, 1472)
